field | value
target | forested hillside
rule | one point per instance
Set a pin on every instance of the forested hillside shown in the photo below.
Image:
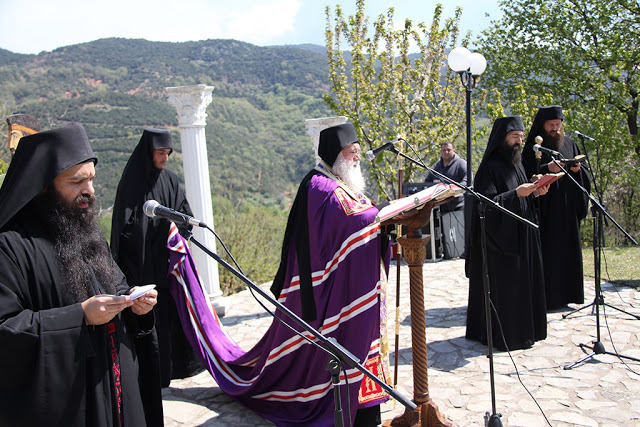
(257, 146)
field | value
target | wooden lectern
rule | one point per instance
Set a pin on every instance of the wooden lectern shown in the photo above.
(414, 245)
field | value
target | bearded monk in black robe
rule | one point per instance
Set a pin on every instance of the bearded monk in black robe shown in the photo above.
(139, 243)
(513, 249)
(67, 324)
(560, 211)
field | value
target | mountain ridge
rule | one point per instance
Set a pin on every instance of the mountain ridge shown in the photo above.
(257, 146)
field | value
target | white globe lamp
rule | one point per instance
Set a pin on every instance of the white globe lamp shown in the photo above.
(459, 59)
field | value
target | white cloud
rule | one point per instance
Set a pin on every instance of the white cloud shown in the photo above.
(264, 22)
(32, 26)
(52, 24)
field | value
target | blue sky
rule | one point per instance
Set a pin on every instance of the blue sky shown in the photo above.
(33, 26)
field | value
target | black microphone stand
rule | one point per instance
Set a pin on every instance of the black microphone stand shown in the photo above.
(340, 355)
(493, 419)
(334, 367)
(599, 213)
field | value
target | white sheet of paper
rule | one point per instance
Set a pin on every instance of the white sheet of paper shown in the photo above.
(141, 291)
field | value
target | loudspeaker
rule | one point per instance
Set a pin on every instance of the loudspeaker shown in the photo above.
(452, 224)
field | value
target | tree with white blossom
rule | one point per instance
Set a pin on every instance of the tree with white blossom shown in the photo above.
(386, 91)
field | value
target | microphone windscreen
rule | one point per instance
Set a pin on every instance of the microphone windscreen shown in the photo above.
(538, 139)
(149, 208)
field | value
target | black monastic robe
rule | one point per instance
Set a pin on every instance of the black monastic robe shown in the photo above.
(139, 246)
(513, 253)
(561, 211)
(57, 371)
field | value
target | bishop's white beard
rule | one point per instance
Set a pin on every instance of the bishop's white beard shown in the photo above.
(349, 171)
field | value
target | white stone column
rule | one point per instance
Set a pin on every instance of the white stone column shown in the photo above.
(191, 103)
(315, 126)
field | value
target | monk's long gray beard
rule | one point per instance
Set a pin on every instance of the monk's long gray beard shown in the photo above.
(352, 176)
(82, 250)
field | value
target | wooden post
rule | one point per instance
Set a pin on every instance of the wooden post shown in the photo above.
(427, 413)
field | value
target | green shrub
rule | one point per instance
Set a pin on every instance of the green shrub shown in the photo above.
(253, 234)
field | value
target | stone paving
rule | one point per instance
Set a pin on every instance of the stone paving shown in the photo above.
(603, 391)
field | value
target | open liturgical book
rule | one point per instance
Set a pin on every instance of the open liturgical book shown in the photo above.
(436, 192)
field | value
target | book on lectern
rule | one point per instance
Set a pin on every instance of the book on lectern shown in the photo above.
(437, 192)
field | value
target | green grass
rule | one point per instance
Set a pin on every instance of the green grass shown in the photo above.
(620, 265)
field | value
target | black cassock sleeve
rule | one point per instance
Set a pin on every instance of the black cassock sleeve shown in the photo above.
(44, 345)
(502, 231)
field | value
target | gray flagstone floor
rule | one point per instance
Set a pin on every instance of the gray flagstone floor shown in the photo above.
(603, 391)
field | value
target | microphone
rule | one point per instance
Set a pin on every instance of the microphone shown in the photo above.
(372, 154)
(581, 135)
(152, 208)
(536, 147)
(548, 150)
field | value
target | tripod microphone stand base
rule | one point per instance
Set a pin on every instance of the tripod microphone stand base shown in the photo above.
(597, 348)
(492, 420)
(599, 301)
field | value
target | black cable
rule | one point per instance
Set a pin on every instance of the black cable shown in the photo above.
(264, 306)
(414, 152)
(504, 341)
(254, 295)
(613, 345)
(226, 250)
(604, 313)
(346, 384)
(615, 287)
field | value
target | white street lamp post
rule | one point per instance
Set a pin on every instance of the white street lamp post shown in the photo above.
(469, 67)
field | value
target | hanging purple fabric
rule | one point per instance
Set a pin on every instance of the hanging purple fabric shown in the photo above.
(283, 377)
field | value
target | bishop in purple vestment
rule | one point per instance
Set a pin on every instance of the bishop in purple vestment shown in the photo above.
(333, 275)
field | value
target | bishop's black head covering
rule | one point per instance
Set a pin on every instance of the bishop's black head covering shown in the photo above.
(551, 112)
(501, 127)
(334, 139)
(40, 158)
(136, 179)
